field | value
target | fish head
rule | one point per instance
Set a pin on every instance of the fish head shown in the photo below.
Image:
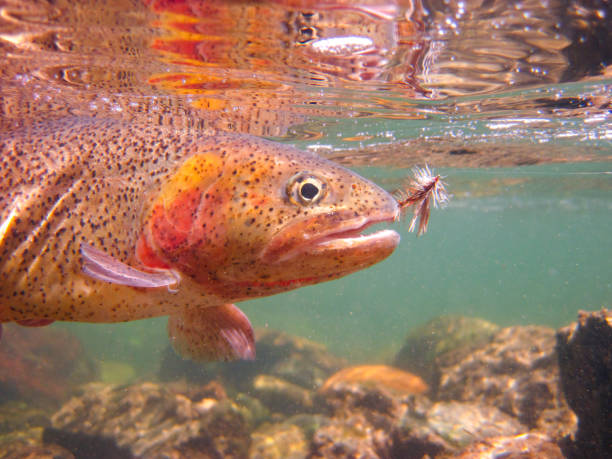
(246, 217)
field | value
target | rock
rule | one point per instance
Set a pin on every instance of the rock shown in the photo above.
(412, 437)
(525, 446)
(516, 372)
(363, 422)
(444, 339)
(385, 376)
(149, 420)
(351, 437)
(444, 428)
(376, 421)
(256, 412)
(291, 358)
(279, 441)
(383, 423)
(379, 406)
(308, 423)
(85, 445)
(42, 365)
(585, 360)
(282, 396)
(463, 423)
(25, 451)
(20, 416)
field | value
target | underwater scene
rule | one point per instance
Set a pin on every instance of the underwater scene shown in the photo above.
(305, 229)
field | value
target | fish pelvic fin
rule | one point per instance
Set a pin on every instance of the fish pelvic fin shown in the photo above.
(103, 267)
(212, 333)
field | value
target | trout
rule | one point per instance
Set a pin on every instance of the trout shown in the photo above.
(110, 221)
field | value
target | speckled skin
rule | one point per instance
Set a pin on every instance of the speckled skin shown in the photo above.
(220, 210)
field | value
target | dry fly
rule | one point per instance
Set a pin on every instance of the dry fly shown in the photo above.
(423, 190)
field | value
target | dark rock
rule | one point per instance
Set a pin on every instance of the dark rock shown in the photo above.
(83, 445)
(364, 422)
(442, 341)
(412, 437)
(526, 446)
(151, 421)
(416, 442)
(282, 396)
(42, 365)
(585, 360)
(516, 372)
(379, 406)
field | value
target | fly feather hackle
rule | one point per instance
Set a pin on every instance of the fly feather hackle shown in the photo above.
(423, 191)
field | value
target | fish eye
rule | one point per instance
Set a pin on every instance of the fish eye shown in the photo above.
(306, 189)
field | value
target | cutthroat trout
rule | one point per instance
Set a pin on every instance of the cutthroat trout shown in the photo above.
(108, 221)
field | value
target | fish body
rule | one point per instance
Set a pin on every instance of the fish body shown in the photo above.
(109, 221)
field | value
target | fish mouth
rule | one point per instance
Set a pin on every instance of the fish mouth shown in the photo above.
(345, 235)
(354, 239)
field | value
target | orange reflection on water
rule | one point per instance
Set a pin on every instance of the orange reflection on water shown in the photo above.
(239, 57)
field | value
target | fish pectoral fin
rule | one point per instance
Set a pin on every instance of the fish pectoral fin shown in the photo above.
(212, 333)
(103, 267)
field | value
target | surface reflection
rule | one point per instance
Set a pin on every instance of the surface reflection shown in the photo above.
(350, 79)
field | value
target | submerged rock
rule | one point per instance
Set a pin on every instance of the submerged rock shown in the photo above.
(525, 446)
(279, 441)
(28, 451)
(380, 422)
(412, 436)
(20, 416)
(148, 420)
(585, 359)
(85, 445)
(516, 372)
(444, 428)
(281, 396)
(463, 423)
(351, 437)
(365, 421)
(385, 376)
(377, 405)
(42, 365)
(442, 341)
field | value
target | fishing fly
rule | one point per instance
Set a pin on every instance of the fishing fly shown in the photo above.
(424, 190)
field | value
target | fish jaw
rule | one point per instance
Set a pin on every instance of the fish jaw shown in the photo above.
(342, 237)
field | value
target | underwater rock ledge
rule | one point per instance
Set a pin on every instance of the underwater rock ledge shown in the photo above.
(585, 362)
